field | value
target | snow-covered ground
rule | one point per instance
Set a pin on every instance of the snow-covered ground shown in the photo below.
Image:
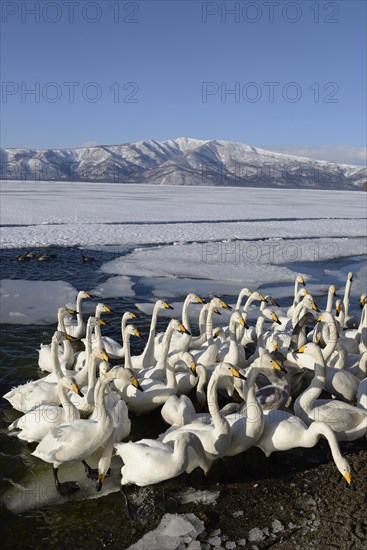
(211, 239)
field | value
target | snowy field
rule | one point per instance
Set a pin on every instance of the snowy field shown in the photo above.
(211, 239)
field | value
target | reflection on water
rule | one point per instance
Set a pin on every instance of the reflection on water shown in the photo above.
(26, 481)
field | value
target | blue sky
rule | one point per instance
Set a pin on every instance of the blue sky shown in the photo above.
(160, 70)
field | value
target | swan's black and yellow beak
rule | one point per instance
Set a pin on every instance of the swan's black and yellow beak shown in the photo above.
(107, 309)
(193, 368)
(224, 305)
(216, 310)
(262, 298)
(274, 302)
(302, 349)
(72, 311)
(167, 306)
(133, 316)
(333, 292)
(277, 366)
(183, 330)
(75, 388)
(319, 318)
(200, 300)
(100, 482)
(135, 383)
(102, 322)
(242, 322)
(87, 295)
(362, 301)
(314, 307)
(137, 333)
(337, 310)
(237, 374)
(216, 333)
(301, 280)
(350, 277)
(105, 356)
(275, 319)
(348, 478)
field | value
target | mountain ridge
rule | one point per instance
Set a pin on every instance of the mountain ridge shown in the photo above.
(181, 161)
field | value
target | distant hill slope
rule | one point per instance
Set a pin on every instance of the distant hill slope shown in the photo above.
(181, 161)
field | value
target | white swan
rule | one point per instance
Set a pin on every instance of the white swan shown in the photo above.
(178, 411)
(76, 329)
(207, 355)
(283, 431)
(75, 441)
(146, 359)
(298, 293)
(122, 428)
(66, 353)
(149, 461)
(113, 349)
(247, 426)
(232, 352)
(198, 341)
(348, 422)
(25, 397)
(179, 342)
(35, 424)
(85, 403)
(216, 436)
(156, 392)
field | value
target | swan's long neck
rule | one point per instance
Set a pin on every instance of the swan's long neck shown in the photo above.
(88, 341)
(219, 421)
(254, 412)
(170, 369)
(79, 309)
(242, 293)
(330, 300)
(249, 301)
(92, 371)
(104, 416)
(202, 325)
(299, 310)
(259, 328)
(68, 350)
(185, 313)
(71, 412)
(313, 433)
(307, 398)
(332, 338)
(346, 298)
(209, 324)
(55, 358)
(126, 341)
(148, 353)
(232, 336)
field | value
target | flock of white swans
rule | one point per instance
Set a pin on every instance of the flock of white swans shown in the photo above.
(272, 375)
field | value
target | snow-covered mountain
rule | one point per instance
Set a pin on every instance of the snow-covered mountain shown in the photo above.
(181, 161)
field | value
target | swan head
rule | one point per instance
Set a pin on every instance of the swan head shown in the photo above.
(237, 318)
(338, 307)
(67, 311)
(176, 325)
(258, 296)
(99, 353)
(96, 321)
(218, 302)
(350, 276)
(129, 315)
(104, 368)
(309, 303)
(161, 304)
(60, 337)
(301, 280)
(70, 383)
(102, 308)
(84, 294)
(313, 349)
(332, 290)
(195, 299)
(362, 300)
(272, 301)
(344, 469)
(227, 369)
(131, 329)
